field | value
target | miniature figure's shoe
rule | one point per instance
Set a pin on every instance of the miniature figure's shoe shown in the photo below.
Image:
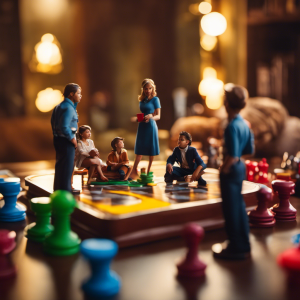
(222, 251)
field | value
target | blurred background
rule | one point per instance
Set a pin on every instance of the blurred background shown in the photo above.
(190, 49)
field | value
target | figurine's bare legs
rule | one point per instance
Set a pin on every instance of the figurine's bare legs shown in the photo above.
(134, 171)
(128, 173)
(89, 162)
(90, 173)
(150, 163)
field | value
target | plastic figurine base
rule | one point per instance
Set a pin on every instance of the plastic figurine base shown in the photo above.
(103, 282)
(11, 211)
(192, 266)
(261, 216)
(145, 179)
(38, 231)
(62, 241)
(7, 244)
(284, 210)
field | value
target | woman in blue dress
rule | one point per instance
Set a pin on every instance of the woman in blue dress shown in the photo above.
(238, 141)
(147, 134)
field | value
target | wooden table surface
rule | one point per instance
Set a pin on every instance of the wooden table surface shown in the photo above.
(148, 271)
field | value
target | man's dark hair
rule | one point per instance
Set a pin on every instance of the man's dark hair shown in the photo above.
(187, 136)
(235, 95)
(70, 88)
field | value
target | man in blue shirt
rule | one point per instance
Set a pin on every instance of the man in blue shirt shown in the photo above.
(238, 140)
(64, 126)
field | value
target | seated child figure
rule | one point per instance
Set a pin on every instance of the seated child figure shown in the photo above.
(189, 160)
(117, 159)
(86, 155)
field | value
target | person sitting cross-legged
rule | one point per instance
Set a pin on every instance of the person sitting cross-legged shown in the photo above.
(189, 160)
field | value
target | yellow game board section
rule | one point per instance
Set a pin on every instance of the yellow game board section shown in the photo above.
(147, 203)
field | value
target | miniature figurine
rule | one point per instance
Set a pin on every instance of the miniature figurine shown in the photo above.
(189, 160)
(238, 140)
(87, 156)
(64, 121)
(147, 134)
(117, 159)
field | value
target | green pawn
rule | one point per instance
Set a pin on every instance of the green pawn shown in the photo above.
(62, 241)
(37, 232)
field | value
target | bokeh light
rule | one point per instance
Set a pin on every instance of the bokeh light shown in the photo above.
(212, 88)
(204, 8)
(47, 99)
(209, 72)
(208, 42)
(47, 57)
(213, 24)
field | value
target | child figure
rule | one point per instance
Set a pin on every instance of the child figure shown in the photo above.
(86, 155)
(189, 160)
(117, 159)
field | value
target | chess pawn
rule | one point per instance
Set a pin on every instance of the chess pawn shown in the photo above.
(251, 167)
(62, 241)
(290, 261)
(263, 167)
(37, 231)
(103, 281)
(191, 265)
(11, 210)
(7, 244)
(284, 209)
(261, 216)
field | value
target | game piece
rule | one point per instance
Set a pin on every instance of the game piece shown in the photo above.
(103, 281)
(251, 169)
(7, 244)
(189, 160)
(290, 261)
(191, 265)
(37, 231)
(11, 210)
(87, 156)
(284, 209)
(147, 142)
(62, 241)
(64, 121)
(238, 141)
(261, 216)
(110, 182)
(117, 160)
(263, 167)
(297, 184)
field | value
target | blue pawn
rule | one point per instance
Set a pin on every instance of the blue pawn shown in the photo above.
(11, 211)
(103, 282)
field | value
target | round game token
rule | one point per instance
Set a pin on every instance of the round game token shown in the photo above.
(152, 184)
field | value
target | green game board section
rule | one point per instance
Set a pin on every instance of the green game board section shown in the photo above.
(117, 182)
(142, 181)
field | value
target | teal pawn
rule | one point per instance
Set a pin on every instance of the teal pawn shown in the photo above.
(62, 241)
(37, 231)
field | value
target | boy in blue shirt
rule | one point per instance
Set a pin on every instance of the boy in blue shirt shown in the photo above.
(64, 126)
(189, 160)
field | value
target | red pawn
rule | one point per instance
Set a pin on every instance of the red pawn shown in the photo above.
(290, 260)
(261, 216)
(284, 209)
(192, 266)
(7, 244)
(263, 167)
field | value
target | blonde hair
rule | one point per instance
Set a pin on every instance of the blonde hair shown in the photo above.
(146, 81)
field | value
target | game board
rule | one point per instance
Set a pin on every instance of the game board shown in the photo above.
(133, 215)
